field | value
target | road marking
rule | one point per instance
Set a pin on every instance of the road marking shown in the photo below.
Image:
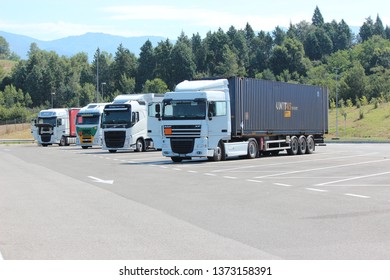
(321, 168)
(316, 190)
(177, 169)
(98, 180)
(254, 181)
(353, 178)
(1, 256)
(209, 174)
(282, 185)
(357, 195)
(192, 171)
(229, 177)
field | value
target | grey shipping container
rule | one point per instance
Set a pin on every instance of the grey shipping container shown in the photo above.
(268, 108)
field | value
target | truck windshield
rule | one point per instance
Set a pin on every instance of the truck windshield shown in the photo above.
(116, 118)
(87, 119)
(51, 121)
(184, 109)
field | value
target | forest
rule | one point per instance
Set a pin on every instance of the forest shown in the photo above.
(356, 67)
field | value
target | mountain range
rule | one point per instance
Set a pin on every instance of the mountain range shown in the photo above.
(72, 45)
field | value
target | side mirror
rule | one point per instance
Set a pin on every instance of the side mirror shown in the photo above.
(158, 108)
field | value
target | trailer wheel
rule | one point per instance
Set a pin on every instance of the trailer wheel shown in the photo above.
(176, 159)
(139, 145)
(293, 146)
(302, 145)
(252, 149)
(310, 145)
(63, 141)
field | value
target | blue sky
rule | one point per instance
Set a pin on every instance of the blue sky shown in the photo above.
(52, 19)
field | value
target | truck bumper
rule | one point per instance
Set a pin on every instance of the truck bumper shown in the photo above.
(185, 148)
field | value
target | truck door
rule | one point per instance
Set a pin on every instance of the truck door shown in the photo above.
(154, 125)
(218, 122)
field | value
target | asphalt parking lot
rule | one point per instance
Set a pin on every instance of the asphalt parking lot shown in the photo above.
(333, 204)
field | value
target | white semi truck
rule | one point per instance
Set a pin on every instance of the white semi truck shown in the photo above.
(125, 123)
(56, 126)
(88, 125)
(242, 117)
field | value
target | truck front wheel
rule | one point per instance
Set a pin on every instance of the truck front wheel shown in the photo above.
(219, 153)
(139, 146)
(176, 159)
(63, 141)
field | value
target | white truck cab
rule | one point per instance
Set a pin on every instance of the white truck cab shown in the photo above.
(56, 126)
(125, 123)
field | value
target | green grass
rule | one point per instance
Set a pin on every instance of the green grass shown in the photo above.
(365, 123)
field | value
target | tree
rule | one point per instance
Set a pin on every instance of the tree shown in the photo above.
(155, 86)
(199, 52)
(4, 48)
(127, 84)
(229, 65)
(164, 65)
(183, 65)
(279, 36)
(123, 67)
(353, 83)
(317, 18)
(367, 29)
(378, 27)
(146, 65)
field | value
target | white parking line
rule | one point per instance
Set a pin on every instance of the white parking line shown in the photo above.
(316, 190)
(254, 181)
(209, 174)
(353, 178)
(321, 168)
(229, 177)
(357, 195)
(282, 185)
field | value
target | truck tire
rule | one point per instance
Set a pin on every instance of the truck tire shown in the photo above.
(253, 149)
(302, 145)
(310, 145)
(140, 145)
(293, 146)
(63, 141)
(176, 159)
(219, 153)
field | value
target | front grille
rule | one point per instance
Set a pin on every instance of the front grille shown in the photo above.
(45, 138)
(182, 145)
(114, 139)
(86, 139)
(183, 131)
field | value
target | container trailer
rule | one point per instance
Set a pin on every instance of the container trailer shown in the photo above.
(243, 117)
